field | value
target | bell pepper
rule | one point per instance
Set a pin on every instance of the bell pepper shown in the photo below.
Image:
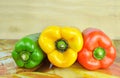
(61, 44)
(27, 52)
(98, 50)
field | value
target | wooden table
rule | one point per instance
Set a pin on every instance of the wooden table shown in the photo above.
(75, 71)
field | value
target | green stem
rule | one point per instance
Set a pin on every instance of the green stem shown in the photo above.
(99, 53)
(61, 45)
(25, 56)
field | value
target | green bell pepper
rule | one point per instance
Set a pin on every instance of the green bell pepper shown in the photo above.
(27, 52)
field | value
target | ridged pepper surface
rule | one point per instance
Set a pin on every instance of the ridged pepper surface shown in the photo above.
(27, 52)
(98, 50)
(61, 44)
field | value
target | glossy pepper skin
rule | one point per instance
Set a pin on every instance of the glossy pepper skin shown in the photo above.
(61, 44)
(98, 51)
(27, 52)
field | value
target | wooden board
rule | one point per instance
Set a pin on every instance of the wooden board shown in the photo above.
(16, 16)
(75, 71)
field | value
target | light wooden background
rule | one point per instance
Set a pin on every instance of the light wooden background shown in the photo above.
(21, 17)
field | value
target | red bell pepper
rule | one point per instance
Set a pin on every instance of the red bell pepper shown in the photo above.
(98, 50)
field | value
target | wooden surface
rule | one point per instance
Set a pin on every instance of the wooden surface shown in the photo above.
(75, 71)
(16, 16)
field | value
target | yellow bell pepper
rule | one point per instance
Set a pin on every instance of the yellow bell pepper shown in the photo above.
(61, 44)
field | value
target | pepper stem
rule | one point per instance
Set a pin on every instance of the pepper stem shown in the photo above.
(25, 56)
(61, 45)
(99, 53)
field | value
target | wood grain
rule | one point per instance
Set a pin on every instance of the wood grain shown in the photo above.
(22, 17)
